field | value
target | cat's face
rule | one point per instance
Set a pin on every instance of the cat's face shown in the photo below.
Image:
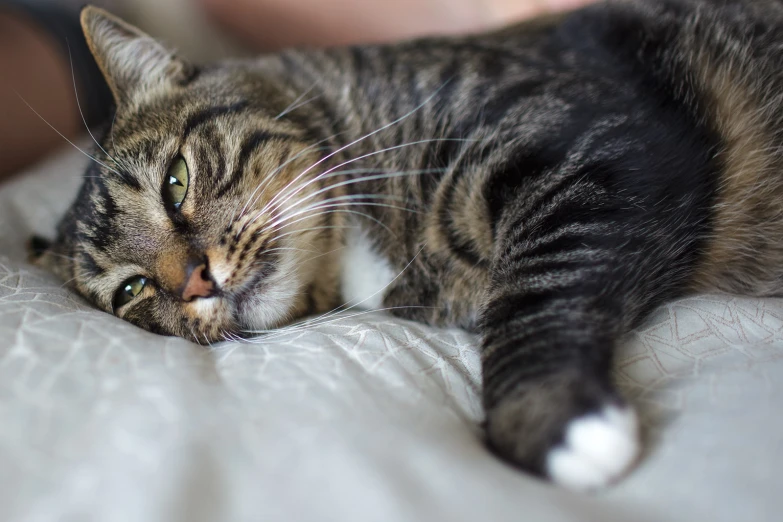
(193, 221)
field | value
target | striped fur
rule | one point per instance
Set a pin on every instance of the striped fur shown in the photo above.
(546, 186)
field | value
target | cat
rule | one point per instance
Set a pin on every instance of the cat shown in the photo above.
(545, 185)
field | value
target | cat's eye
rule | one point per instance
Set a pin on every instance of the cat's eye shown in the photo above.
(129, 290)
(175, 186)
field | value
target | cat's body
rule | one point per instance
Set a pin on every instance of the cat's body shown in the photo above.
(546, 186)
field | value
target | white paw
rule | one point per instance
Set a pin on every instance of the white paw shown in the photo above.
(597, 450)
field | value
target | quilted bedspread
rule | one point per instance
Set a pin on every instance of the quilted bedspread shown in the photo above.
(365, 418)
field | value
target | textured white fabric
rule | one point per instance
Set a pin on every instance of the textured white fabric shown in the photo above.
(368, 418)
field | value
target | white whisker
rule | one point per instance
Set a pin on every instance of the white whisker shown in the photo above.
(327, 203)
(325, 317)
(63, 136)
(352, 181)
(369, 154)
(354, 305)
(309, 324)
(295, 104)
(352, 171)
(407, 115)
(268, 178)
(79, 105)
(355, 212)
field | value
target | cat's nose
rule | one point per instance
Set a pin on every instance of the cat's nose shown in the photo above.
(198, 281)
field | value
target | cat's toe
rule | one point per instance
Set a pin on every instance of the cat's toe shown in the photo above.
(597, 449)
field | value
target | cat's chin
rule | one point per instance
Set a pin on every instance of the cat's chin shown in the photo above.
(265, 307)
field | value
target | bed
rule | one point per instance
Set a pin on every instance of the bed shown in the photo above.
(366, 417)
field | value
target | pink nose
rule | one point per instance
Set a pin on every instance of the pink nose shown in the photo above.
(198, 284)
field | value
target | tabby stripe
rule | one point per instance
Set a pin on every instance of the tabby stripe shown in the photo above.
(89, 266)
(505, 181)
(249, 146)
(497, 107)
(210, 113)
(549, 268)
(127, 179)
(566, 237)
(458, 246)
(564, 240)
(544, 345)
(213, 147)
(521, 358)
(100, 221)
(507, 308)
(431, 157)
(543, 202)
(548, 350)
(568, 212)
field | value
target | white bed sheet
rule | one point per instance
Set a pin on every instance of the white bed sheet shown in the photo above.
(367, 418)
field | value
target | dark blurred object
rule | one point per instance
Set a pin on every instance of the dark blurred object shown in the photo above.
(61, 21)
(42, 55)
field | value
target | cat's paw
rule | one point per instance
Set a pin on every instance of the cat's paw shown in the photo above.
(597, 449)
(572, 428)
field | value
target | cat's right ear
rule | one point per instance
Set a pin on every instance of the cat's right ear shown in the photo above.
(131, 61)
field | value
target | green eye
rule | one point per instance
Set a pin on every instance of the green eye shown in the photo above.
(175, 186)
(129, 290)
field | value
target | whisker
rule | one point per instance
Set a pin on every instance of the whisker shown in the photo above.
(337, 201)
(66, 283)
(365, 195)
(348, 182)
(384, 127)
(292, 248)
(268, 177)
(352, 171)
(325, 318)
(295, 104)
(111, 130)
(352, 181)
(325, 254)
(387, 149)
(354, 305)
(365, 171)
(327, 203)
(63, 136)
(305, 325)
(302, 104)
(79, 105)
(70, 258)
(322, 209)
(193, 333)
(356, 212)
(323, 227)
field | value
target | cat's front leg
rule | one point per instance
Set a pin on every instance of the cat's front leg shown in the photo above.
(550, 325)
(568, 426)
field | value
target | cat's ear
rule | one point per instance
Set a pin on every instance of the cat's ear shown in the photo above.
(131, 61)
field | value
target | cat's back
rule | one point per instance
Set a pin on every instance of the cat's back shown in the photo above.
(718, 66)
(684, 94)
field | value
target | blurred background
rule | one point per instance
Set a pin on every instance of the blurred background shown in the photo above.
(44, 60)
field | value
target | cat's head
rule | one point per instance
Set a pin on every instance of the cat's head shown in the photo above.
(197, 216)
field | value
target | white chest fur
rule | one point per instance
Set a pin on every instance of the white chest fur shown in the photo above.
(365, 274)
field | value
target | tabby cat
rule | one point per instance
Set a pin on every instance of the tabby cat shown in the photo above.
(546, 186)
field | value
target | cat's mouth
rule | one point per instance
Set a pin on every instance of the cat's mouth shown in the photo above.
(264, 300)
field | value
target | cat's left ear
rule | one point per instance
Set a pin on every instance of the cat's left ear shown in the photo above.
(131, 61)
